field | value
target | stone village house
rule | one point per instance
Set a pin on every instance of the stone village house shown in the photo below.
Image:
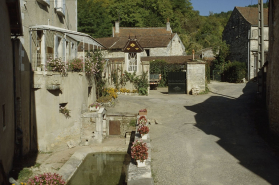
(154, 43)
(49, 31)
(241, 33)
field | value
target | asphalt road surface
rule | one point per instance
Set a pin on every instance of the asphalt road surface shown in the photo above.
(205, 139)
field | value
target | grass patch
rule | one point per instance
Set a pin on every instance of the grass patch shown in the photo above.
(37, 165)
(24, 175)
(133, 122)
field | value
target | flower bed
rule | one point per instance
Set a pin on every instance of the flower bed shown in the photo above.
(46, 178)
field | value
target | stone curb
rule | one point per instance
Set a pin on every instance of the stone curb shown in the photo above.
(142, 175)
(70, 167)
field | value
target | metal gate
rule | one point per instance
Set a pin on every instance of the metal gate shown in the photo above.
(114, 128)
(177, 82)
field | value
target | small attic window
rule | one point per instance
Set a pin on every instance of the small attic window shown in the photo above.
(147, 52)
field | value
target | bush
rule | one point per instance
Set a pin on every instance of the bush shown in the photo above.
(133, 122)
(163, 68)
(110, 92)
(76, 65)
(234, 72)
(207, 72)
(104, 99)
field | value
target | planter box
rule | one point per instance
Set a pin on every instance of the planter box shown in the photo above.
(143, 113)
(141, 164)
(94, 109)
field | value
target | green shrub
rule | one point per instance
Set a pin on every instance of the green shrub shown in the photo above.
(234, 72)
(163, 68)
(207, 72)
(104, 99)
(133, 122)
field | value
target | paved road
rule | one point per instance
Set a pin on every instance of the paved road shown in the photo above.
(205, 139)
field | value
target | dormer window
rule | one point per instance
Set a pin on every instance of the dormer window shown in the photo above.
(132, 62)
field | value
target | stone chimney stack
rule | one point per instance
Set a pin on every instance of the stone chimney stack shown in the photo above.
(116, 26)
(168, 25)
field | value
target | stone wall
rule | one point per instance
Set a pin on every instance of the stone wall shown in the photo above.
(272, 99)
(195, 76)
(124, 119)
(52, 90)
(236, 35)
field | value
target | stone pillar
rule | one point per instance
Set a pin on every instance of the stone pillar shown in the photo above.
(99, 125)
(116, 26)
(168, 26)
(195, 76)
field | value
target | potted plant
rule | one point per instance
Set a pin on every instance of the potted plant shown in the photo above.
(139, 152)
(94, 106)
(142, 112)
(142, 120)
(64, 111)
(143, 130)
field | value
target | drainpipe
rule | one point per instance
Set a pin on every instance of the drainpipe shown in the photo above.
(248, 63)
(83, 54)
(30, 87)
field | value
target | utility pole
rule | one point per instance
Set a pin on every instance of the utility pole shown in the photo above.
(260, 49)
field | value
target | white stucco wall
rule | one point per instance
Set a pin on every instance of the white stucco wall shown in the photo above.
(53, 127)
(253, 44)
(195, 76)
(35, 13)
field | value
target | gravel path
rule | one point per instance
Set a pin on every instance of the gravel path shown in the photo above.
(205, 139)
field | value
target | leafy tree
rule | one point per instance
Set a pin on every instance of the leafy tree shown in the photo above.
(93, 18)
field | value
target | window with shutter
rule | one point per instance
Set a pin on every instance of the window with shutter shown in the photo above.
(60, 7)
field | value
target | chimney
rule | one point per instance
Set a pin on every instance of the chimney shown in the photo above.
(168, 25)
(116, 26)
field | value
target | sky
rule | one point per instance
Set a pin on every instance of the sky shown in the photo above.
(218, 6)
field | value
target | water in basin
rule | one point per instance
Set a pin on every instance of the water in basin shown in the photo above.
(102, 169)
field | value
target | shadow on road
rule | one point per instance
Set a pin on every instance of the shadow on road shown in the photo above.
(233, 121)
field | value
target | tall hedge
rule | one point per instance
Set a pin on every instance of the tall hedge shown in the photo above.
(234, 72)
(162, 67)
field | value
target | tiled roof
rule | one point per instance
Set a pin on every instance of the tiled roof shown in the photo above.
(251, 14)
(146, 41)
(168, 59)
(147, 37)
(140, 32)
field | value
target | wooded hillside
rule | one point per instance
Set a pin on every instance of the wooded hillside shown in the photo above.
(97, 17)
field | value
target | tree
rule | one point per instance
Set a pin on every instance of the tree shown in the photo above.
(93, 19)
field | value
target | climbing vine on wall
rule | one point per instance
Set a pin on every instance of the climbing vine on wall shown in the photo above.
(95, 59)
